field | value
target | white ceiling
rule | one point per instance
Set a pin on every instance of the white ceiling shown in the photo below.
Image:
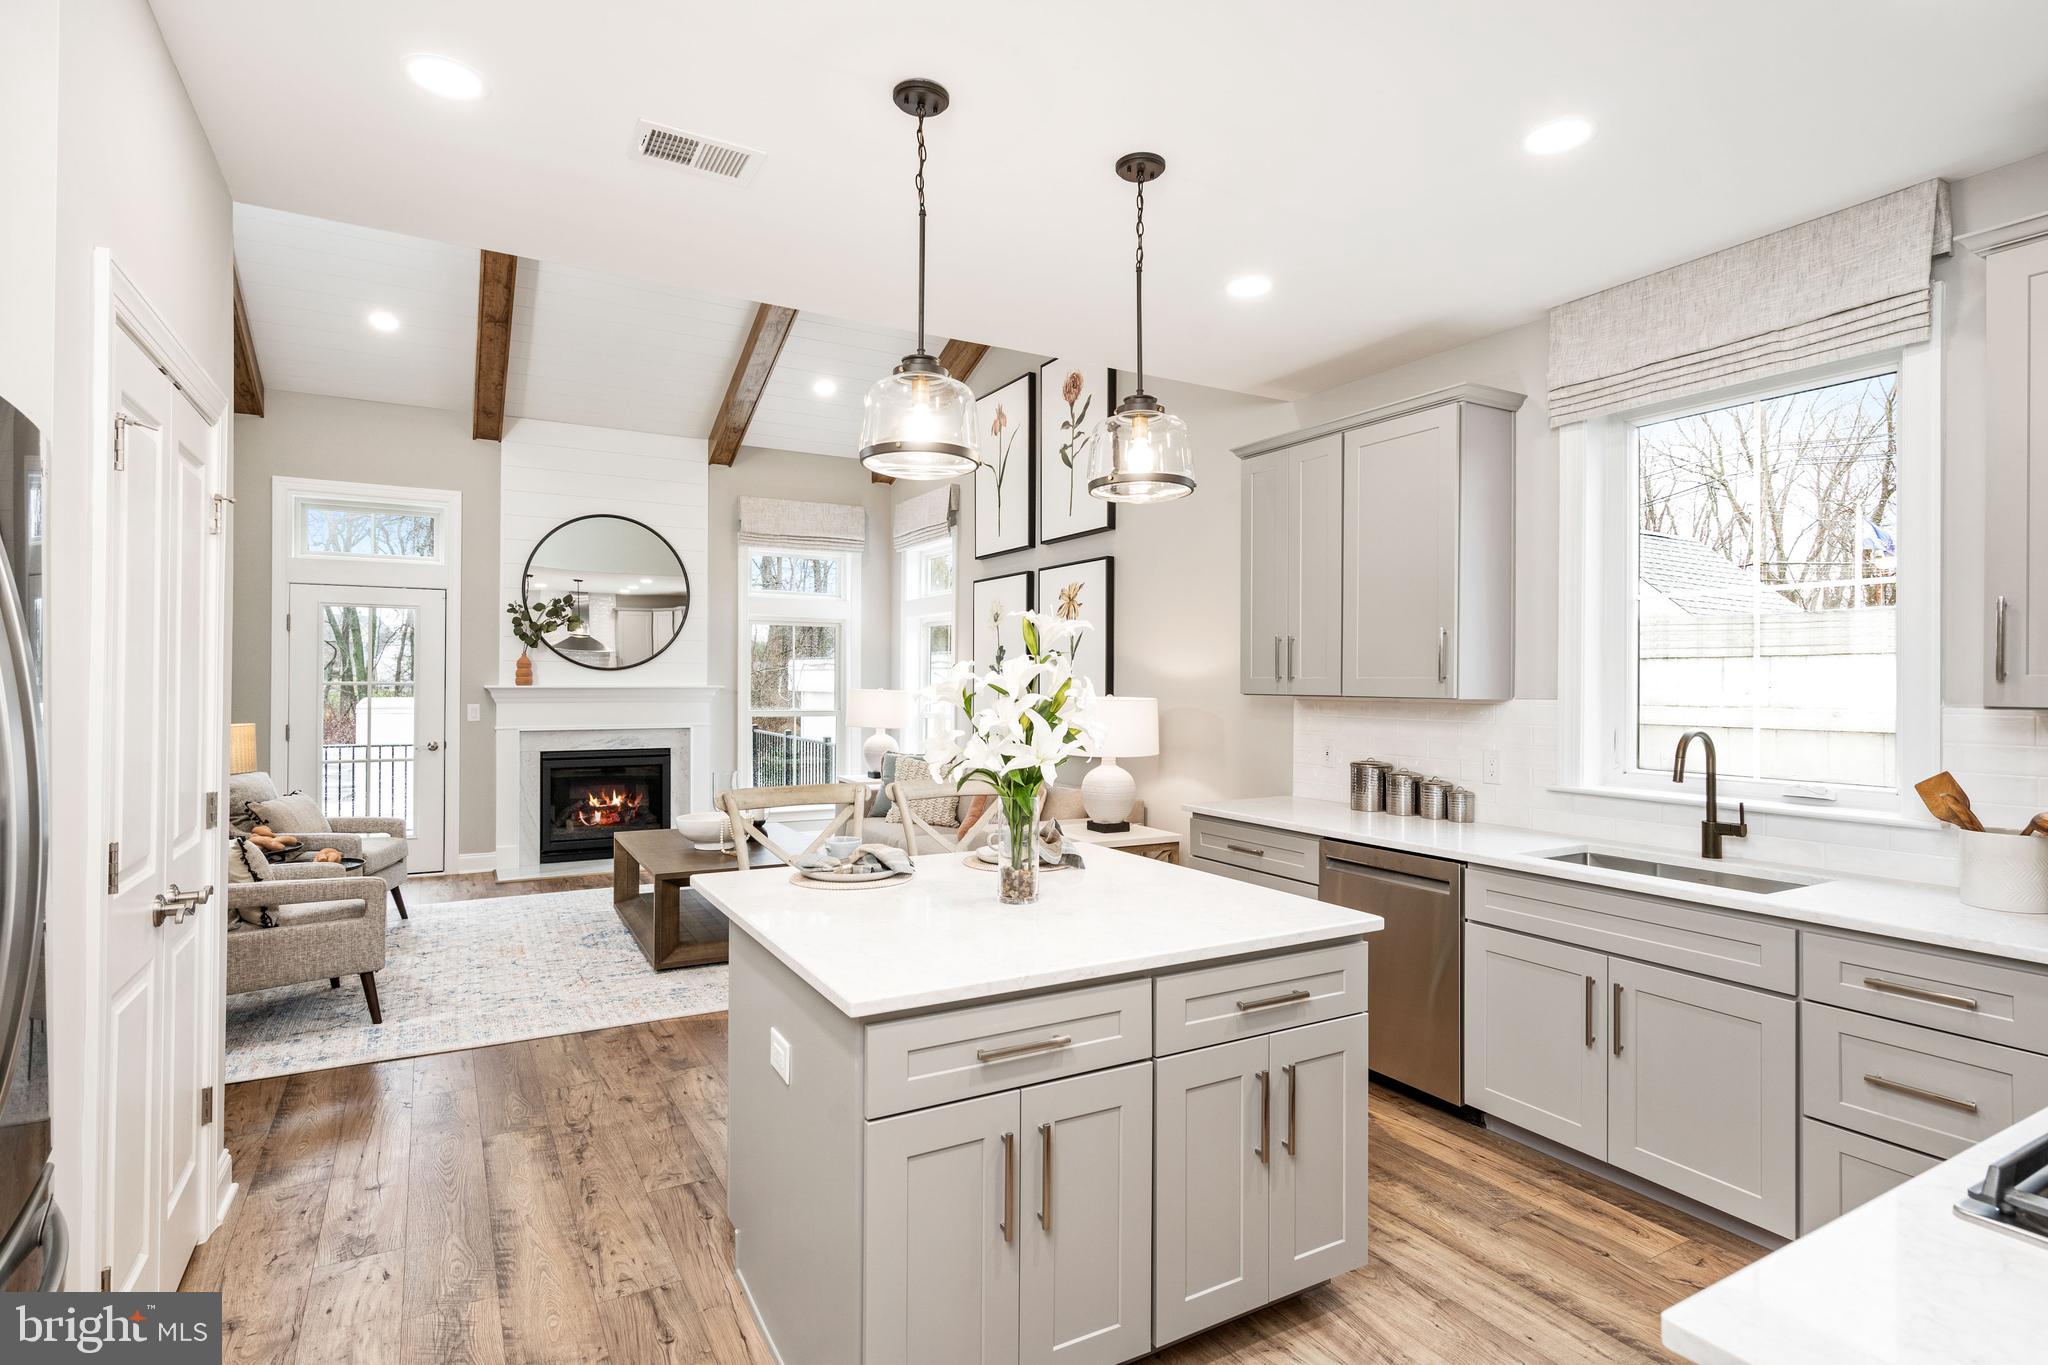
(309, 287)
(1366, 156)
(792, 417)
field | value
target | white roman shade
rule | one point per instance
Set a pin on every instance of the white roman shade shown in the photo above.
(927, 517)
(1849, 284)
(803, 525)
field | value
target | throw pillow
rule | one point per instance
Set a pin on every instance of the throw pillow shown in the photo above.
(292, 813)
(881, 806)
(971, 808)
(246, 862)
(940, 812)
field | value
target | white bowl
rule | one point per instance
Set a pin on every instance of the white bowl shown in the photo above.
(712, 831)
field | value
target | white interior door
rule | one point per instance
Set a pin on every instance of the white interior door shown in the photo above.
(365, 728)
(163, 645)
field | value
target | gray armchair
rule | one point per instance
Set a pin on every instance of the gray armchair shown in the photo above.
(378, 840)
(325, 926)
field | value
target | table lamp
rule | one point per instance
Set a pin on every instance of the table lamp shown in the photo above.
(1130, 729)
(241, 748)
(880, 709)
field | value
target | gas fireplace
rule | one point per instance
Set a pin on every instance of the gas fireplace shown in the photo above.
(588, 795)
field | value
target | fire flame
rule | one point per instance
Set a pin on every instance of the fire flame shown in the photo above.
(606, 806)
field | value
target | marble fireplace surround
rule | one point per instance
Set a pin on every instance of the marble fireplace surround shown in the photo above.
(543, 717)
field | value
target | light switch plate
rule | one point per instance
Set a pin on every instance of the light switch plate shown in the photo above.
(476, 711)
(778, 1054)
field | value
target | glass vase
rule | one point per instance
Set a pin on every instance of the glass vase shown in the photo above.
(1018, 868)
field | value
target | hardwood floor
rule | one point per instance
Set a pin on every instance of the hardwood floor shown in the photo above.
(563, 1199)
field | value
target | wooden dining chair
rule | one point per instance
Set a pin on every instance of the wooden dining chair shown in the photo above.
(847, 799)
(942, 838)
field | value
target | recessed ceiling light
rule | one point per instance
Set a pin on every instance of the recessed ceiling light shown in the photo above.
(629, 588)
(824, 388)
(443, 76)
(384, 321)
(538, 584)
(1249, 286)
(646, 580)
(1559, 135)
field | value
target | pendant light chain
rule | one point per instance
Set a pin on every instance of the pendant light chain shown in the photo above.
(1141, 285)
(920, 234)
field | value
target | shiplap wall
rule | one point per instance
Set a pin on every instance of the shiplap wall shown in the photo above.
(552, 471)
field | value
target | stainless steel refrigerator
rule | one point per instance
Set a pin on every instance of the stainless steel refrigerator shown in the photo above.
(33, 1248)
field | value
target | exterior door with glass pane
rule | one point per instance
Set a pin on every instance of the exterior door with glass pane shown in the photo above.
(367, 714)
(793, 691)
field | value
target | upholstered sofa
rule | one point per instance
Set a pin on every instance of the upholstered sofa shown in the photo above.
(322, 926)
(378, 840)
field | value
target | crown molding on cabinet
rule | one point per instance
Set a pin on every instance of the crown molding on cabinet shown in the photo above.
(1483, 394)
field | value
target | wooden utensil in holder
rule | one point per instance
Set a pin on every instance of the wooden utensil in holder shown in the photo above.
(1947, 802)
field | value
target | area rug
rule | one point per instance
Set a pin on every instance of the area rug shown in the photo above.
(469, 974)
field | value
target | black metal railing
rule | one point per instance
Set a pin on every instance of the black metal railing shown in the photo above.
(367, 779)
(782, 760)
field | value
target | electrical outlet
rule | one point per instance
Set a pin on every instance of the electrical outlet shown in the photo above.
(476, 711)
(1492, 762)
(778, 1054)
(1329, 755)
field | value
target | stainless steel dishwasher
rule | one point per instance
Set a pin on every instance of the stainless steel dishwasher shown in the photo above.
(1415, 980)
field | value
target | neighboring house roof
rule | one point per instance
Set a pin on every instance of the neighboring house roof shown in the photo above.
(1695, 581)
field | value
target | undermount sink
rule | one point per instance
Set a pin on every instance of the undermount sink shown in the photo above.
(1678, 872)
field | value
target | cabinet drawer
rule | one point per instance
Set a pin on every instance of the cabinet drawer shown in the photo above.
(1839, 1169)
(1746, 951)
(1996, 1003)
(1273, 852)
(937, 1058)
(1929, 1091)
(1251, 878)
(1245, 999)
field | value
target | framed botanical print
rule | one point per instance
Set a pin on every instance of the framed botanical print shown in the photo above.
(994, 600)
(1085, 590)
(1009, 452)
(1072, 401)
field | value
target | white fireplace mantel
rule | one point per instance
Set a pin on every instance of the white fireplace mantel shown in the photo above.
(543, 707)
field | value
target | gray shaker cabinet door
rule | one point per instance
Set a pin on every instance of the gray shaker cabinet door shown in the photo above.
(1703, 1092)
(1536, 1035)
(2016, 543)
(1210, 1238)
(1401, 556)
(940, 1272)
(1315, 653)
(1318, 1170)
(1268, 570)
(1086, 1227)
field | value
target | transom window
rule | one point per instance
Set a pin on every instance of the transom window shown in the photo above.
(348, 529)
(805, 575)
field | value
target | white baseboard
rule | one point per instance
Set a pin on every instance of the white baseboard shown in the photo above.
(477, 862)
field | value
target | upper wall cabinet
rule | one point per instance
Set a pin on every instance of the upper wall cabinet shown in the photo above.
(1391, 574)
(2016, 551)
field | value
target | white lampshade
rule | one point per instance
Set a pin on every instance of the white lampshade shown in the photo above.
(877, 707)
(1130, 726)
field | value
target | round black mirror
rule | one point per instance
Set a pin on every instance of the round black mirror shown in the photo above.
(627, 585)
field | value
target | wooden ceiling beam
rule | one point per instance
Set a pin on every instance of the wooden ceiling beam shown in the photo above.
(959, 358)
(749, 379)
(248, 374)
(497, 277)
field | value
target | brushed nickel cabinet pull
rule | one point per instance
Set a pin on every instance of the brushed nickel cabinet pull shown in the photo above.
(1264, 1150)
(1290, 658)
(1293, 997)
(1443, 638)
(1003, 1054)
(1878, 983)
(1931, 1096)
(1045, 1176)
(1279, 664)
(1009, 1223)
(1614, 1021)
(1248, 851)
(1591, 986)
(1998, 654)
(1288, 1142)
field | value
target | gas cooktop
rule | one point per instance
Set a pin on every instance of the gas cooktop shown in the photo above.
(2013, 1195)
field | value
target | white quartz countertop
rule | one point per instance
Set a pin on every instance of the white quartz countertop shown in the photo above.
(1900, 1279)
(941, 938)
(1902, 910)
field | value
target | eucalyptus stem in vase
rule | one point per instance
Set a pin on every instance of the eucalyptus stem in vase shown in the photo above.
(1025, 717)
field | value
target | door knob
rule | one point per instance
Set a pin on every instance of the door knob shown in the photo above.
(433, 745)
(174, 904)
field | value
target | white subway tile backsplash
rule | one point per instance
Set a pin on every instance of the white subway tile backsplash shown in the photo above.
(2000, 757)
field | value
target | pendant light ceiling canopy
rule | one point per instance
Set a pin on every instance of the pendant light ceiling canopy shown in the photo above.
(1141, 452)
(918, 421)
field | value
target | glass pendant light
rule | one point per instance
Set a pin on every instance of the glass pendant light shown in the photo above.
(918, 422)
(1141, 451)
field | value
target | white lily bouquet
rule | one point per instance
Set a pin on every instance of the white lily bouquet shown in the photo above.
(1026, 716)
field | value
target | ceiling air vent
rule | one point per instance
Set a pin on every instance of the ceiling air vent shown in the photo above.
(693, 152)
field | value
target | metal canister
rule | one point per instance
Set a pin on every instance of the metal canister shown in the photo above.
(1369, 784)
(1432, 797)
(1401, 791)
(1464, 807)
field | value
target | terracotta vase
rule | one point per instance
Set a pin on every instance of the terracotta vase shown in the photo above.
(522, 672)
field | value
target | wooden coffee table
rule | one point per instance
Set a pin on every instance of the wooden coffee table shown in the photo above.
(674, 926)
